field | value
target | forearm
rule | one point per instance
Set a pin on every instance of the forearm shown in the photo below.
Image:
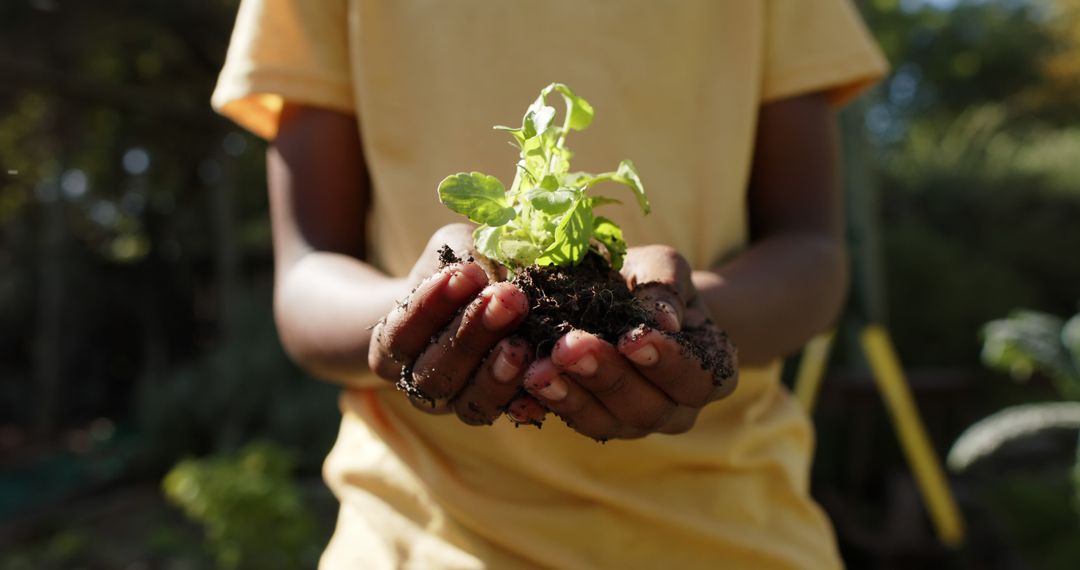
(325, 305)
(777, 294)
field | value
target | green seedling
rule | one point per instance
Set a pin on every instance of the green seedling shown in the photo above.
(546, 217)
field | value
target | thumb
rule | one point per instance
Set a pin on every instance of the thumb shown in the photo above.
(663, 303)
(660, 278)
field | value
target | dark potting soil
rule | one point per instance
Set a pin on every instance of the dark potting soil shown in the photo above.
(588, 296)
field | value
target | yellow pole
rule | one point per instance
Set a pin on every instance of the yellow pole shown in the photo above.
(917, 448)
(815, 357)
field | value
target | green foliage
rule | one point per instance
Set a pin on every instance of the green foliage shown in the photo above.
(546, 217)
(949, 60)
(1022, 344)
(1030, 341)
(989, 434)
(974, 152)
(251, 510)
(979, 217)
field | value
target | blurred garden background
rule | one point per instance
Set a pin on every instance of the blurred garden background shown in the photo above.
(149, 419)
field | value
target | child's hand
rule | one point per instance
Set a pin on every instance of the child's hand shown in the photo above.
(649, 382)
(448, 339)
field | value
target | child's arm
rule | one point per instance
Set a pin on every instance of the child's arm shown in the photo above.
(791, 282)
(327, 300)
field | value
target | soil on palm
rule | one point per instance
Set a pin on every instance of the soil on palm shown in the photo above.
(588, 296)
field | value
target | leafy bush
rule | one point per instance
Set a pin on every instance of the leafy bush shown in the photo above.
(250, 508)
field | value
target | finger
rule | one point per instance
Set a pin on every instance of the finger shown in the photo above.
(444, 367)
(661, 278)
(383, 366)
(495, 384)
(680, 421)
(422, 402)
(600, 369)
(408, 329)
(664, 304)
(678, 368)
(575, 405)
(721, 357)
(525, 409)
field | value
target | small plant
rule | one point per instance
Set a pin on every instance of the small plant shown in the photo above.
(546, 216)
(563, 256)
(1022, 344)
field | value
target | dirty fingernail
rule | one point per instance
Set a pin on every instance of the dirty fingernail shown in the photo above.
(503, 370)
(461, 286)
(554, 390)
(667, 316)
(497, 315)
(645, 356)
(525, 411)
(585, 366)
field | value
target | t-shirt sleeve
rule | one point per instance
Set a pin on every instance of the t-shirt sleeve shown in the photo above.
(818, 45)
(284, 50)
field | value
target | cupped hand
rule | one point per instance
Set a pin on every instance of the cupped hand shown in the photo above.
(449, 344)
(655, 379)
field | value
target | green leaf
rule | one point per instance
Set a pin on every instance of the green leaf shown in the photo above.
(602, 201)
(533, 165)
(991, 433)
(533, 146)
(571, 237)
(581, 112)
(519, 253)
(578, 179)
(538, 117)
(486, 239)
(559, 161)
(479, 197)
(1030, 341)
(608, 233)
(542, 230)
(517, 133)
(627, 174)
(549, 202)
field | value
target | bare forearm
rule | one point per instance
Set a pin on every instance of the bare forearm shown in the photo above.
(326, 305)
(777, 294)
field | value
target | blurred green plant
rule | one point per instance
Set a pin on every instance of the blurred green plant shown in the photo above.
(1030, 341)
(1025, 343)
(251, 510)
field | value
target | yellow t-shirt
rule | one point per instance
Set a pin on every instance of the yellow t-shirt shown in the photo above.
(677, 86)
